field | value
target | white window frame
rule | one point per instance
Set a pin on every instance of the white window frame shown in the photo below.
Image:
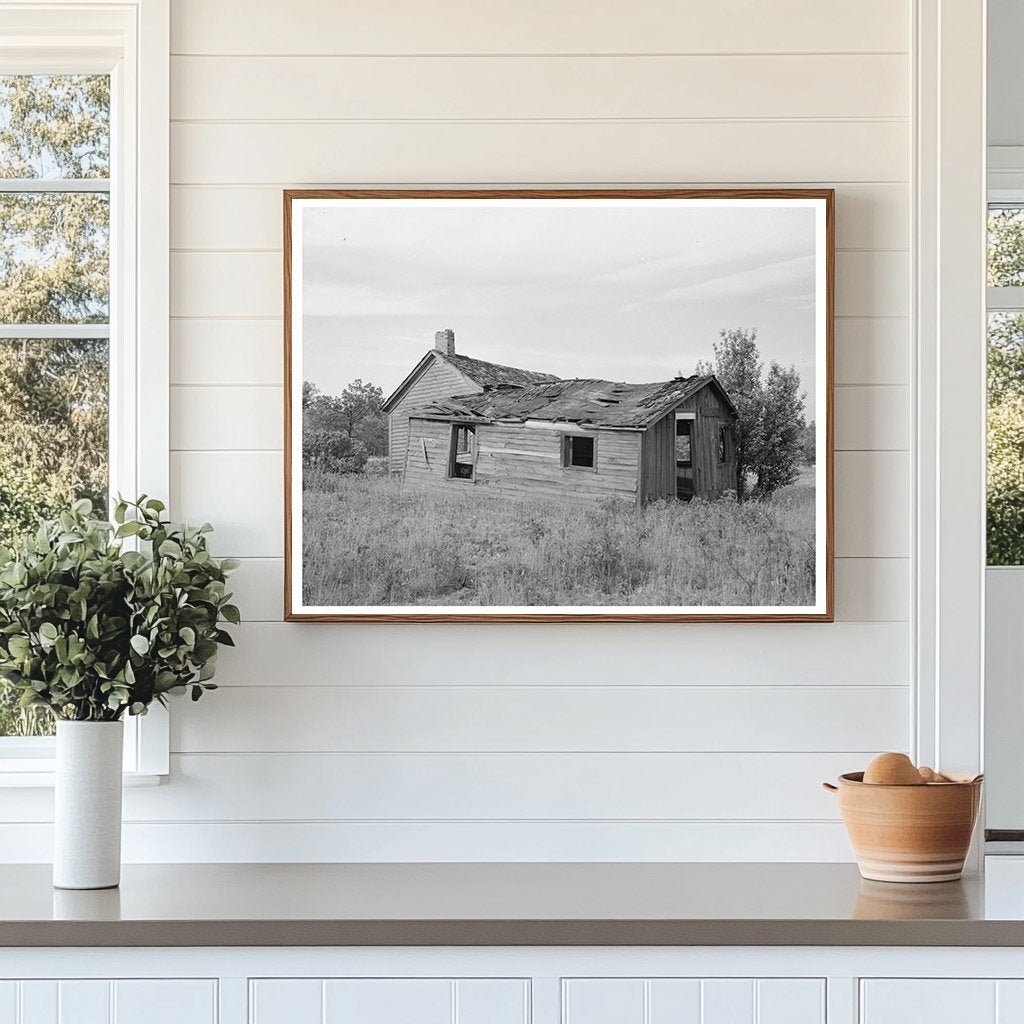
(948, 456)
(130, 41)
(1004, 718)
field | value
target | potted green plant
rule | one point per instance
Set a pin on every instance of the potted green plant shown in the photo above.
(99, 620)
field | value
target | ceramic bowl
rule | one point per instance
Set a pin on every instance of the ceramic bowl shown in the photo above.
(909, 833)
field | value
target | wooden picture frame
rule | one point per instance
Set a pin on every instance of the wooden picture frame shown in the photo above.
(516, 402)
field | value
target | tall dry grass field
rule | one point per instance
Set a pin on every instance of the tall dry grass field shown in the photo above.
(370, 540)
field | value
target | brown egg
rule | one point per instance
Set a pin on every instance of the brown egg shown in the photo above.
(892, 770)
(928, 774)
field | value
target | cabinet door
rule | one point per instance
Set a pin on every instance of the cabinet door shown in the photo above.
(388, 1000)
(693, 1001)
(145, 1001)
(941, 1001)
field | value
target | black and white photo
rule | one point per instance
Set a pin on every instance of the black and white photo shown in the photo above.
(559, 405)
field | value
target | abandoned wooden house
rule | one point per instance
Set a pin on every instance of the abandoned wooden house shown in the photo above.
(524, 433)
(442, 373)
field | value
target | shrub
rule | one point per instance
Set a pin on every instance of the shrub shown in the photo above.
(90, 630)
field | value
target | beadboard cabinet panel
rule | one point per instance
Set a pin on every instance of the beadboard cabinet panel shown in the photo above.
(693, 1001)
(101, 1001)
(930, 1001)
(389, 1001)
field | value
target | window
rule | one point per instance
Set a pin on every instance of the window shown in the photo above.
(54, 308)
(579, 452)
(724, 443)
(1005, 455)
(83, 262)
(684, 453)
(462, 458)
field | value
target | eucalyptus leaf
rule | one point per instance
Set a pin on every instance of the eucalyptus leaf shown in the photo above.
(93, 631)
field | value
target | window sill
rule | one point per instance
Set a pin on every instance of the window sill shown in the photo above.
(36, 773)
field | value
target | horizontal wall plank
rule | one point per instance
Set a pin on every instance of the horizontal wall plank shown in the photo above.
(227, 352)
(872, 502)
(209, 418)
(870, 350)
(235, 418)
(873, 284)
(530, 152)
(873, 589)
(249, 284)
(250, 216)
(867, 589)
(258, 586)
(206, 284)
(453, 842)
(577, 26)
(550, 718)
(241, 494)
(527, 88)
(430, 654)
(254, 787)
(872, 418)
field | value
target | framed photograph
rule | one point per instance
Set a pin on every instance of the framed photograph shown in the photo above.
(558, 405)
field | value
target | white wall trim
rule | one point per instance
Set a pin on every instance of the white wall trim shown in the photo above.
(949, 457)
(132, 39)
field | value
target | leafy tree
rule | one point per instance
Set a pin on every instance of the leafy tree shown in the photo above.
(53, 400)
(809, 444)
(1006, 481)
(782, 430)
(738, 368)
(771, 426)
(365, 421)
(53, 269)
(340, 434)
(1005, 484)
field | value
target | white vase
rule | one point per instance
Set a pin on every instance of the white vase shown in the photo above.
(87, 806)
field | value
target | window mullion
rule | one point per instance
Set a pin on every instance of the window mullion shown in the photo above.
(1005, 300)
(54, 185)
(63, 332)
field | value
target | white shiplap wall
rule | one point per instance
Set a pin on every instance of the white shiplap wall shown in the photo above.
(509, 741)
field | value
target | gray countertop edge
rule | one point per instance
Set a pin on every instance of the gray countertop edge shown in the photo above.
(510, 933)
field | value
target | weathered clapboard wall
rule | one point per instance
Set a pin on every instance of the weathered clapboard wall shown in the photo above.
(711, 474)
(658, 460)
(518, 461)
(699, 741)
(439, 380)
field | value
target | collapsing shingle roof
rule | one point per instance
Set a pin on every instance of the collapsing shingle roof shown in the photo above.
(490, 375)
(476, 371)
(599, 403)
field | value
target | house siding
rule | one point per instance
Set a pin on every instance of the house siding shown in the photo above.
(710, 476)
(516, 461)
(439, 380)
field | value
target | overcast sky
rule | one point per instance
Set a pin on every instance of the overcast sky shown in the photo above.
(632, 294)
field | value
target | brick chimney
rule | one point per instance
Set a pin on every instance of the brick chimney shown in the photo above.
(444, 341)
